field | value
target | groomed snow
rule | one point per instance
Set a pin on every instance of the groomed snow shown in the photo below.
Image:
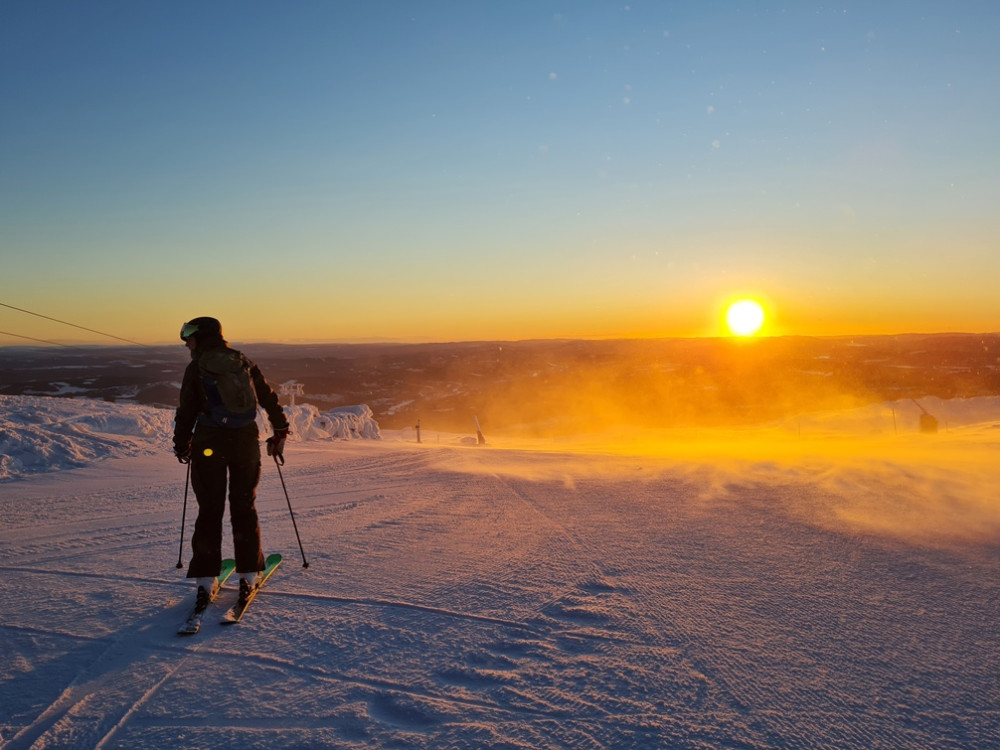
(831, 582)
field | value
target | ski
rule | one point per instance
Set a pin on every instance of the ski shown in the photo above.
(193, 622)
(235, 613)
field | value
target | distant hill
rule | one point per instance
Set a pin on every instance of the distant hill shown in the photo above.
(552, 386)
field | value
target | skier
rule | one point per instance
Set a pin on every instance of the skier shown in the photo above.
(215, 430)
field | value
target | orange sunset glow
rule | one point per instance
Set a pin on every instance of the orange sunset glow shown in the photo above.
(628, 169)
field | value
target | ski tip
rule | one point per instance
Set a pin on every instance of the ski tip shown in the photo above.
(273, 559)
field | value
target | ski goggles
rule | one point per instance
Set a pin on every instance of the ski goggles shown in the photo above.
(188, 330)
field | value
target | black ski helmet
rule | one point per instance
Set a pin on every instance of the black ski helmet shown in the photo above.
(201, 328)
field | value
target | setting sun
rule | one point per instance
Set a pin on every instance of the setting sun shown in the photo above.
(744, 317)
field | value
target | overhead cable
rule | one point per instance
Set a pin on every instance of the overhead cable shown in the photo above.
(65, 323)
(30, 338)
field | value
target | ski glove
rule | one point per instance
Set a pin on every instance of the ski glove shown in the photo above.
(276, 444)
(183, 453)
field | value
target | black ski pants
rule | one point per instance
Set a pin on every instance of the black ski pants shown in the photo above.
(217, 455)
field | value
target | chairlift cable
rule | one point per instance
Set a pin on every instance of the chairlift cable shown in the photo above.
(31, 338)
(74, 325)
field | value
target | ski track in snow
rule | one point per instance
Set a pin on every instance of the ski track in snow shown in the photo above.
(470, 597)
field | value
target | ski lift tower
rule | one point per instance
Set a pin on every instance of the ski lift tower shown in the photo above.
(291, 389)
(928, 422)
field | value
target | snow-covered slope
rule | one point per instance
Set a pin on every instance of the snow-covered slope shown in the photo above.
(809, 585)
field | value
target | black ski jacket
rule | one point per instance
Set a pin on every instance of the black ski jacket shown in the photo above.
(194, 402)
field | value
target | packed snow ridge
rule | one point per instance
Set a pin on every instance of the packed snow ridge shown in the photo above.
(40, 434)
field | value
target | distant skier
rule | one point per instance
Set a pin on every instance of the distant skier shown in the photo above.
(215, 430)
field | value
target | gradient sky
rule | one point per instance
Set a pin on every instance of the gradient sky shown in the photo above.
(463, 170)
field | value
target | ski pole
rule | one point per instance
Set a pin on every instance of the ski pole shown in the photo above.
(305, 563)
(187, 480)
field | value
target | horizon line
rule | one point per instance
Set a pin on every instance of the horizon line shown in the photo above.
(375, 341)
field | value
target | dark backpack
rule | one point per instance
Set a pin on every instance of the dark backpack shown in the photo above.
(225, 375)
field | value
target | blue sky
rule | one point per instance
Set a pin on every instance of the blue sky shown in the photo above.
(448, 170)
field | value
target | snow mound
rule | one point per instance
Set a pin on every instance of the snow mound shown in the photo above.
(41, 434)
(44, 434)
(345, 423)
